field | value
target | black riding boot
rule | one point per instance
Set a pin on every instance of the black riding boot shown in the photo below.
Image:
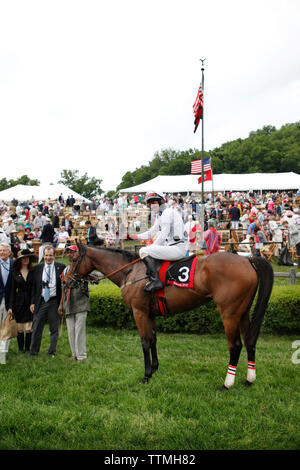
(20, 339)
(155, 283)
(27, 342)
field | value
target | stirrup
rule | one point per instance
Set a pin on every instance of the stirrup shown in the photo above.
(154, 284)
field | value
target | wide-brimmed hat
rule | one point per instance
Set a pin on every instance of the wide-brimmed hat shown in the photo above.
(24, 253)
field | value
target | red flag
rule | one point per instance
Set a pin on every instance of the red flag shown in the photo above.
(198, 108)
(207, 177)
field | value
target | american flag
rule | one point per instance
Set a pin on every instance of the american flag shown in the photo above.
(197, 166)
(198, 108)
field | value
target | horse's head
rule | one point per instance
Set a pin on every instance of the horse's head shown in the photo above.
(79, 268)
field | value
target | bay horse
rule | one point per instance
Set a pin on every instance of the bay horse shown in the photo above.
(228, 279)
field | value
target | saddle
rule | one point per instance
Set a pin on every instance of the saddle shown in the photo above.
(177, 273)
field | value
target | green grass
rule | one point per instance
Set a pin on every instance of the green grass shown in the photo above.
(56, 403)
(59, 404)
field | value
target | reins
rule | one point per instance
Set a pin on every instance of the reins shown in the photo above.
(78, 262)
(121, 269)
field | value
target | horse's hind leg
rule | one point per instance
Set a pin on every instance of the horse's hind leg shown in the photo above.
(235, 347)
(250, 347)
(232, 331)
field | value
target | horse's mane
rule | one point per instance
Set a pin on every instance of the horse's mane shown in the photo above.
(128, 255)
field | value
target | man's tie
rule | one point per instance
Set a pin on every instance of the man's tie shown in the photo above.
(47, 288)
(5, 271)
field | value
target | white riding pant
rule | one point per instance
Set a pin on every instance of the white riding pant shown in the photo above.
(170, 252)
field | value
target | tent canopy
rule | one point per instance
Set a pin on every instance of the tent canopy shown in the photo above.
(223, 182)
(23, 192)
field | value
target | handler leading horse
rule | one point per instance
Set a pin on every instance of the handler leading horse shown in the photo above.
(228, 279)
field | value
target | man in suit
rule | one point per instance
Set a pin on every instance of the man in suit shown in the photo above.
(55, 220)
(5, 285)
(235, 216)
(46, 294)
(92, 237)
(48, 232)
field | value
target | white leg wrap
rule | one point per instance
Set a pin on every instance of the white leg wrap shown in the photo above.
(230, 377)
(251, 375)
(2, 358)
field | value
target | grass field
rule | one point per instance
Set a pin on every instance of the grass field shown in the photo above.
(100, 404)
(56, 403)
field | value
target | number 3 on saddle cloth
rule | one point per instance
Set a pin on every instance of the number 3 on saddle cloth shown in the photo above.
(176, 273)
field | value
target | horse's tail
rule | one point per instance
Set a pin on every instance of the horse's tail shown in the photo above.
(265, 283)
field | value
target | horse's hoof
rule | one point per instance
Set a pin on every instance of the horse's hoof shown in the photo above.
(145, 380)
(223, 388)
(247, 383)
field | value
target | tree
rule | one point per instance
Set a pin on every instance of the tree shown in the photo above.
(86, 186)
(265, 150)
(166, 162)
(25, 180)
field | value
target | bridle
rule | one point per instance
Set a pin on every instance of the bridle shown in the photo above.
(79, 278)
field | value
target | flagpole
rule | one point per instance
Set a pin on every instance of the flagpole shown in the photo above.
(202, 157)
(212, 182)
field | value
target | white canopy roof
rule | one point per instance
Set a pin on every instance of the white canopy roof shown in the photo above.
(223, 182)
(23, 192)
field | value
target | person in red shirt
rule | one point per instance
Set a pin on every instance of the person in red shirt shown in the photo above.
(212, 239)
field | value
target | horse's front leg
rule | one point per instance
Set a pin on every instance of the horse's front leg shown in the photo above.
(154, 351)
(147, 359)
(142, 323)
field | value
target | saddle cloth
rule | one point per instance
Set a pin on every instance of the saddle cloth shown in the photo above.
(177, 273)
(181, 273)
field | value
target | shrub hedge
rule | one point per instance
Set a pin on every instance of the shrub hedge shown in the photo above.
(108, 310)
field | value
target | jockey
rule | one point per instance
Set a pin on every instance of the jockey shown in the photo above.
(170, 243)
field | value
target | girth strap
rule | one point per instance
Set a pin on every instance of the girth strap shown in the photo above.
(162, 304)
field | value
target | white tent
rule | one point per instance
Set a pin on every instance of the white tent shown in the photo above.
(22, 193)
(223, 182)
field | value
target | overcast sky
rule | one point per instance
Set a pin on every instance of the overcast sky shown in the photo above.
(100, 86)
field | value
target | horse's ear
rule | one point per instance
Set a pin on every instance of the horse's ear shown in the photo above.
(79, 245)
